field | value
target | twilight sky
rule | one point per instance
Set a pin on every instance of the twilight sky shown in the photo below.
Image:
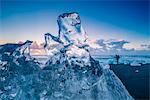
(111, 19)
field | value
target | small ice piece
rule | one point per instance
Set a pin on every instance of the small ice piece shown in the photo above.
(137, 71)
(58, 94)
(13, 94)
(2, 63)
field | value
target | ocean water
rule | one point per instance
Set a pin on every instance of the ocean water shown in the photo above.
(126, 59)
(110, 59)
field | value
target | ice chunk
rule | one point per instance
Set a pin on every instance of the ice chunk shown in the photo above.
(69, 74)
(24, 49)
(14, 49)
(13, 66)
(70, 29)
(52, 44)
(111, 86)
(78, 75)
(72, 36)
(8, 48)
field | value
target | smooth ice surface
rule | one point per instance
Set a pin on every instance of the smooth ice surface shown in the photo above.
(70, 73)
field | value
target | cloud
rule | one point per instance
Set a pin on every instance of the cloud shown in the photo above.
(20, 42)
(118, 44)
(100, 47)
(93, 44)
(111, 47)
(37, 49)
(112, 44)
(146, 46)
(35, 45)
(102, 43)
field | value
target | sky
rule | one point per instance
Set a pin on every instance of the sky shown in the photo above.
(128, 20)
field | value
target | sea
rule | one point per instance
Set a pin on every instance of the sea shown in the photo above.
(110, 59)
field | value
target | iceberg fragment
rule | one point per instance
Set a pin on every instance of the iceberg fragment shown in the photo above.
(15, 64)
(80, 76)
(70, 72)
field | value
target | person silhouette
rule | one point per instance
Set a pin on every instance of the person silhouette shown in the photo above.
(117, 58)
